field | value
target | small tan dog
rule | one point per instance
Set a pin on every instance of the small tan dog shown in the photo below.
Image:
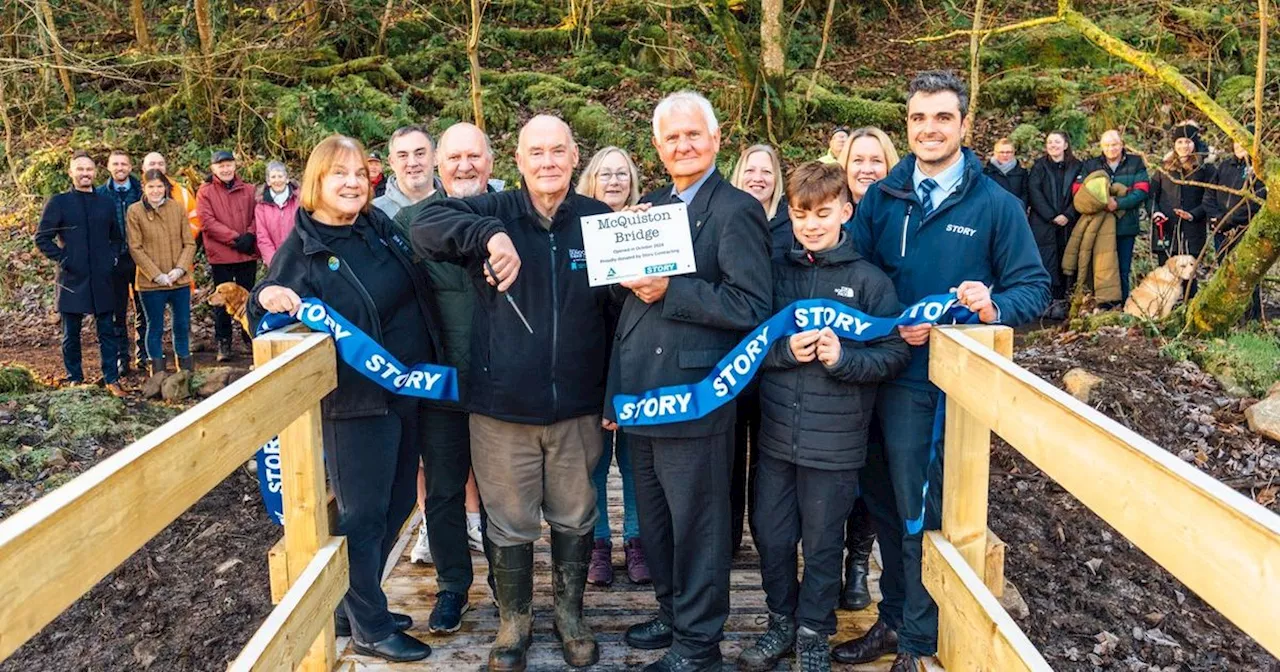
(232, 298)
(1161, 289)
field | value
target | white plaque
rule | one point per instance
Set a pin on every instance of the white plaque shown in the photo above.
(629, 245)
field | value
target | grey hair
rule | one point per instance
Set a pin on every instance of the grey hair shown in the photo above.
(406, 130)
(276, 165)
(685, 101)
(937, 81)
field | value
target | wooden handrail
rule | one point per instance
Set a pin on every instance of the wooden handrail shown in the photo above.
(128, 498)
(1220, 544)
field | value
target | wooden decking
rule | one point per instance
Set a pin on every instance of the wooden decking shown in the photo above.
(411, 590)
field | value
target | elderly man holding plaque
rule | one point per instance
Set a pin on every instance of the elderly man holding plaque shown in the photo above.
(672, 331)
(539, 354)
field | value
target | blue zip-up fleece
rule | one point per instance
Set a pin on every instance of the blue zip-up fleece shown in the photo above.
(979, 232)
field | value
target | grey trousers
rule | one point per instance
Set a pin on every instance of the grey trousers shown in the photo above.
(525, 472)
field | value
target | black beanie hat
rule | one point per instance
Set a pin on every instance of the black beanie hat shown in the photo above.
(1186, 131)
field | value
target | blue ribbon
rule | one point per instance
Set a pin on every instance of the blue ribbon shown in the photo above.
(357, 350)
(679, 403)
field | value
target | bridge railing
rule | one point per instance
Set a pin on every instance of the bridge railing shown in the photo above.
(1219, 543)
(55, 550)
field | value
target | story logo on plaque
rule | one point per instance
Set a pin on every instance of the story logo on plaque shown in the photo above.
(629, 245)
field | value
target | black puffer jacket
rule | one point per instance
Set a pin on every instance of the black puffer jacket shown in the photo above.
(813, 416)
(1015, 181)
(1234, 174)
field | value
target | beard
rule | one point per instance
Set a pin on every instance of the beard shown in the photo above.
(466, 188)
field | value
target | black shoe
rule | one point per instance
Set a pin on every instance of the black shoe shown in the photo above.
(674, 662)
(342, 627)
(813, 653)
(905, 662)
(186, 364)
(775, 643)
(652, 634)
(447, 614)
(878, 641)
(396, 648)
(859, 538)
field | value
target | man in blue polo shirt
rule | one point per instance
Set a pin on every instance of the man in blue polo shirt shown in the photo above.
(934, 224)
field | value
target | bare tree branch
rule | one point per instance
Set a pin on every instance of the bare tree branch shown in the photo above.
(1021, 25)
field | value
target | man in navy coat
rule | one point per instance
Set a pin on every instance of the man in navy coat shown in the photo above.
(77, 231)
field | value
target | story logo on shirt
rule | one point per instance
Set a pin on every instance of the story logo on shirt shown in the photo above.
(962, 230)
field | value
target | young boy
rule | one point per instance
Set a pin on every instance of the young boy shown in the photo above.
(817, 393)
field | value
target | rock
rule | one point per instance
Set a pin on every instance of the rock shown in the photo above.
(176, 387)
(1080, 383)
(57, 460)
(151, 388)
(1274, 390)
(1264, 417)
(1229, 385)
(217, 378)
(1013, 603)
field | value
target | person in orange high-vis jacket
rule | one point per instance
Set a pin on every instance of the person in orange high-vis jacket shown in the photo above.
(179, 193)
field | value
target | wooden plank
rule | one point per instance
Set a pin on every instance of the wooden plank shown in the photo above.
(1221, 544)
(978, 634)
(304, 498)
(285, 637)
(125, 500)
(278, 571)
(967, 467)
(994, 561)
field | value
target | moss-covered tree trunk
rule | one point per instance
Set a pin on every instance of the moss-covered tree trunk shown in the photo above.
(64, 75)
(140, 25)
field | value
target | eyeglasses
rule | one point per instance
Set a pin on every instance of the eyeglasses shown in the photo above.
(621, 176)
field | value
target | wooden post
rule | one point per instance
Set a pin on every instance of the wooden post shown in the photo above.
(966, 474)
(306, 518)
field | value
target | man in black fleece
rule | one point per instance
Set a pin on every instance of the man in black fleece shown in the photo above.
(535, 397)
(817, 395)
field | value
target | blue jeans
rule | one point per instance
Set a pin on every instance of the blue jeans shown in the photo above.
(179, 302)
(1124, 249)
(630, 522)
(108, 346)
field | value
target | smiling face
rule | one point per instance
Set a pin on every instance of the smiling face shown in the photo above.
(758, 178)
(1184, 147)
(867, 165)
(818, 229)
(465, 161)
(546, 156)
(155, 191)
(277, 179)
(374, 166)
(934, 129)
(344, 190)
(685, 144)
(411, 161)
(1055, 146)
(119, 166)
(224, 170)
(1112, 146)
(613, 181)
(154, 161)
(82, 172)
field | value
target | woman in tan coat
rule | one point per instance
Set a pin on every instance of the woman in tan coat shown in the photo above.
(161, 245)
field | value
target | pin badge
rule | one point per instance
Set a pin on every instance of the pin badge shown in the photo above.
(333, 263)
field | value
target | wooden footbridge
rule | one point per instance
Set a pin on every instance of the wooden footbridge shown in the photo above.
(1197, 528)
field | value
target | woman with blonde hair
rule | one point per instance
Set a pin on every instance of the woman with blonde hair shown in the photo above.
(868, 156)
(759, 173)
(611, 178)
(349, 255)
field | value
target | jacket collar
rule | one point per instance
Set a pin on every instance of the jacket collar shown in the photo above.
(898, 183)
(309, 232)
(842, 253)
(108, 188)
(531, 214)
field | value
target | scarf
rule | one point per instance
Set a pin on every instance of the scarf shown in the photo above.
(280, 198)
(1004, 168)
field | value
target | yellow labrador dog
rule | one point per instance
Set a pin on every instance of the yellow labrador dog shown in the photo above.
(1161, 289)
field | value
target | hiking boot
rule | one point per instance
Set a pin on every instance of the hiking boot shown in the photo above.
(570, 556)
(601, 571)
(512, 569)
(674, 662)
(858, 540)
(652, 634)
(775, 643)
(396, 648)
(813, 653)
(446, 616)
(637, 566)
(878, 641)
(186, 364)
(152, 366)
(224, 351)
(906, 662)
(116, 390)
(421, 553)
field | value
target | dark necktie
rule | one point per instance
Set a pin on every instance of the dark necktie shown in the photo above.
(927, 185)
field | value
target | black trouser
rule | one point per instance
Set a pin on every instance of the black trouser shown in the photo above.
(122, 287)
(373, 467)
(742, 494)
(859, 524)
(242, 273)
(682, 496)
(1051, 241)
(1224, 242)
(893, 487)
(796, 504)
(446, 461)
(107, 346)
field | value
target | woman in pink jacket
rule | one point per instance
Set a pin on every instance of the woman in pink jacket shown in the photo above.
(275, 209)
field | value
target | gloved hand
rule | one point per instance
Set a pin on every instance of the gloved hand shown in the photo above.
(162, 279)
(245, 243)
(175, 274)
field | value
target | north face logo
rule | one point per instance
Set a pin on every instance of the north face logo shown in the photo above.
(846, 292)
(962, 230)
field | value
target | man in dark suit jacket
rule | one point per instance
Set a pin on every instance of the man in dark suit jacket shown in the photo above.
(673, 331)
(77, 231)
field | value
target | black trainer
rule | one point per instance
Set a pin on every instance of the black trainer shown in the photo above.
(652, 634)
(674, 662)
(447, 614)
(775, 643)
(396, 648)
